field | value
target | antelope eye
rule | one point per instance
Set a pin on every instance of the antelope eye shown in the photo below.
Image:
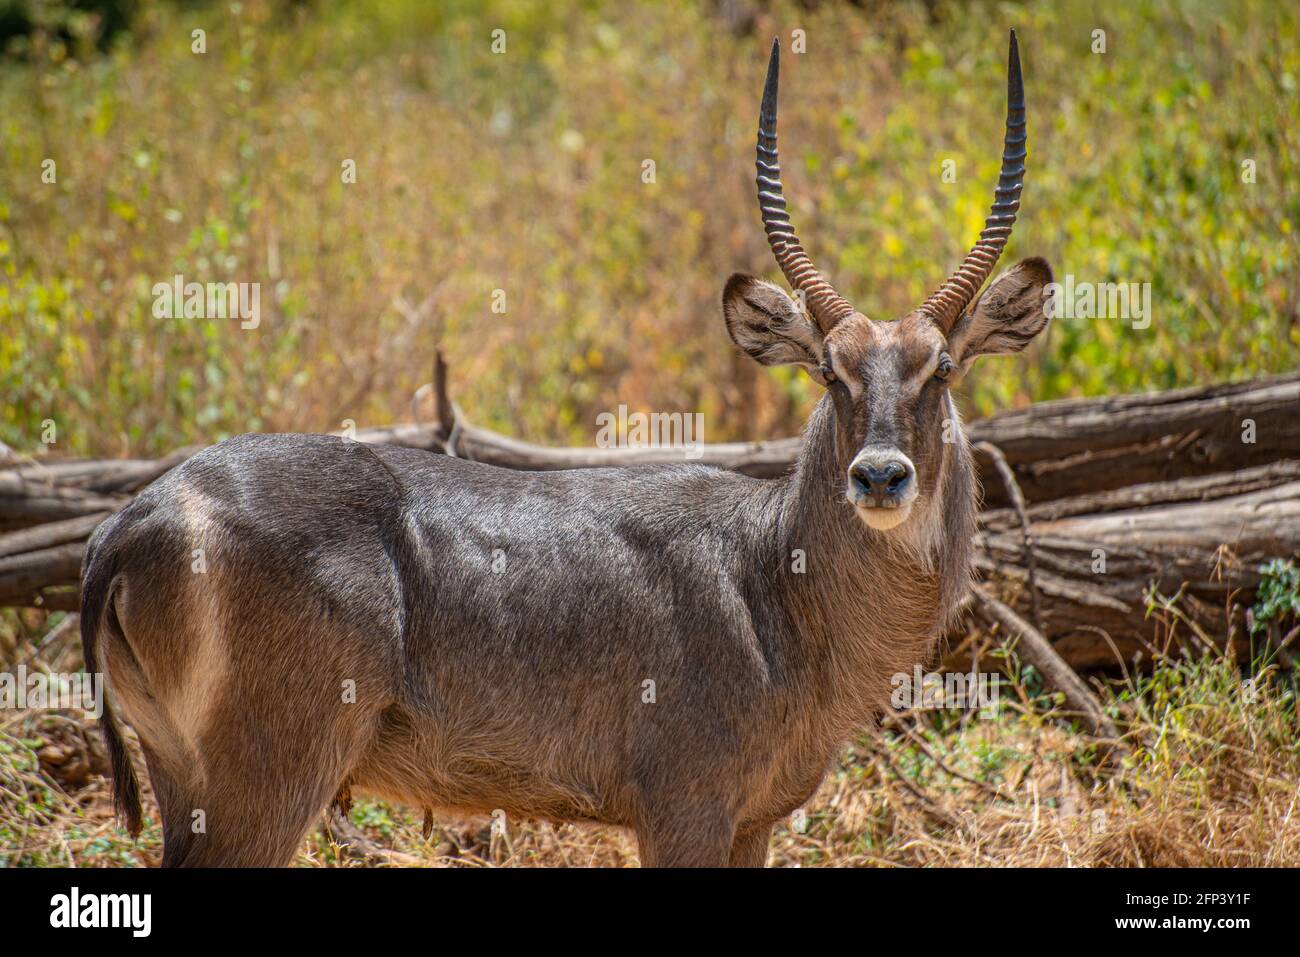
(945, 367)
(828, 373)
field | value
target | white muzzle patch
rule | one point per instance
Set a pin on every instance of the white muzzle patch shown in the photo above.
(880, 495)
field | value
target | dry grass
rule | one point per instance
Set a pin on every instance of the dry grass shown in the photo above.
(1209, 776)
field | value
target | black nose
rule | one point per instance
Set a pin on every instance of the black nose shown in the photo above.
(882, 481)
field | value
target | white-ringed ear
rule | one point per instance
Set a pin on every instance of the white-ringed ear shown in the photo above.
(769, 326)
(1007, 315)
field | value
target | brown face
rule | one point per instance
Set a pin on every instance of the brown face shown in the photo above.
(890, 381)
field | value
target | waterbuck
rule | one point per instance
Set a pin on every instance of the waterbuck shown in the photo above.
(679, 650)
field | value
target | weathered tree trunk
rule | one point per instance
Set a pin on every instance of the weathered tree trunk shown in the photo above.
(1084, 446)
(1123, 572)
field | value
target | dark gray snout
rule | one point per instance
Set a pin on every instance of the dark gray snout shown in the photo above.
(882, 478)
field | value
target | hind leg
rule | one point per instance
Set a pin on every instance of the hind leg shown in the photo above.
(750, 847)
(169, 792)
(256, 680)
(258, 781)
(254, 830)
(247, 796)
(244, 813)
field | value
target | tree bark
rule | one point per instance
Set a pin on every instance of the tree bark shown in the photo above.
(1084, 446)
(1149, 569)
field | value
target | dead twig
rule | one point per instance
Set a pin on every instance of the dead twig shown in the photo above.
(1038, 651)
(1017, 497)
(352, 842)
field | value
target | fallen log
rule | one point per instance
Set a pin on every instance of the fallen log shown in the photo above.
(1178, 564)
(26, 511)
(765, 459)
(1082, 446)
(51, 533)
(23, 578)
(1201, 489)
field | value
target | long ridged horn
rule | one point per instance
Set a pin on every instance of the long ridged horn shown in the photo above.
(956, 293)
(824, 303)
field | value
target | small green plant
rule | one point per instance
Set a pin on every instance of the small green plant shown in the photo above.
(1278, 596)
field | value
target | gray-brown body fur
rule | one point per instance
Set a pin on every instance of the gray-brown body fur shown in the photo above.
(519, 688)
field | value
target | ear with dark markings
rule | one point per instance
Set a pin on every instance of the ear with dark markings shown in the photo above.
(1006, 316)
(769, 326)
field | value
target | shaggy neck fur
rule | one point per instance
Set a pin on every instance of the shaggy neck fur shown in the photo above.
(871, 604)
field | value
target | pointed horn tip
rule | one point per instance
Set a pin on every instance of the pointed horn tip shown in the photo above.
(773, 78)
(774, 58)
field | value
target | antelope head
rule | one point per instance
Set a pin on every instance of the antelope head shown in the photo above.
(889, 381)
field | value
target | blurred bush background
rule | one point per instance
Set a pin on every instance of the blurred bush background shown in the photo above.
(522, 171)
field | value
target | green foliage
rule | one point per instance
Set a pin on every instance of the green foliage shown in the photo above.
(1278, 595)
(522, 171)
